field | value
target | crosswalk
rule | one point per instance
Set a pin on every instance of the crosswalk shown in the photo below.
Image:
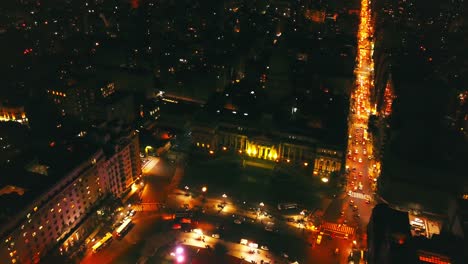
(359, 195)
(338, 228)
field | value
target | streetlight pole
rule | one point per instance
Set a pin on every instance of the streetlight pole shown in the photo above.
(204, 189)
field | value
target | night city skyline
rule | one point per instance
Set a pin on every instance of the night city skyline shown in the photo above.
(233, 131)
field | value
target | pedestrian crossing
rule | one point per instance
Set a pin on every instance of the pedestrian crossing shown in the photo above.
(338, 228)
(359, 195)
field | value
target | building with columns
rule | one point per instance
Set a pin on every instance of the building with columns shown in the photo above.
(276, 145)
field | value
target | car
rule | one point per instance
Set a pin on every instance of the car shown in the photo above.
(264, 248)
(284, 255)
(269, 228)
(237, 221)
(336, 251)
(367, 201)
(360, 160)
(360, 173)
(342, 213)
(252, 220)
(176, 226)
(355, 208)
(215, 235)
(351, 202)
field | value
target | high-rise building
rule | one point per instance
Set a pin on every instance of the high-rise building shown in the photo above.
(43, 206)
(40, 210)
(122, 151)
(93, 101)
(388, 233)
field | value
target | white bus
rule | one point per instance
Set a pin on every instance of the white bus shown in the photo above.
(284, 206)
(123, 227)
(106, 239)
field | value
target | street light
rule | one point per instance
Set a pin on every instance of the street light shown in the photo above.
(204, 189)
(324, 179)
(180, 259)
(224, 195)
(179, 250)
(262, 204)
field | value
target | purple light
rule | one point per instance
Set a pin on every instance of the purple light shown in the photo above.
(180, 259)
(179, 250)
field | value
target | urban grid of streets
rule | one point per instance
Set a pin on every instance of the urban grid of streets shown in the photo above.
(162, 186)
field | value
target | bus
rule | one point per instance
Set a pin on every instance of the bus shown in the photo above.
(101, 243)
(284, 206)
(123, 227)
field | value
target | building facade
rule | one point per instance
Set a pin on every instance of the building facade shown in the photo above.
(277, 146)
(123, 167)
(56, 215)
(13, 113)
(50, 217)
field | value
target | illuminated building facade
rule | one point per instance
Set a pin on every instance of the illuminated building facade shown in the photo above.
(327, 161)
(13, 113)
(277, 146)
(50, 217)
(51, 207)
(123, 166)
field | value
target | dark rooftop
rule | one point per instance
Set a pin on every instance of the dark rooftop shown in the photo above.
(60, 159)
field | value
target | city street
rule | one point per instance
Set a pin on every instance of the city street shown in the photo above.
(259, 223)
(359, 203)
